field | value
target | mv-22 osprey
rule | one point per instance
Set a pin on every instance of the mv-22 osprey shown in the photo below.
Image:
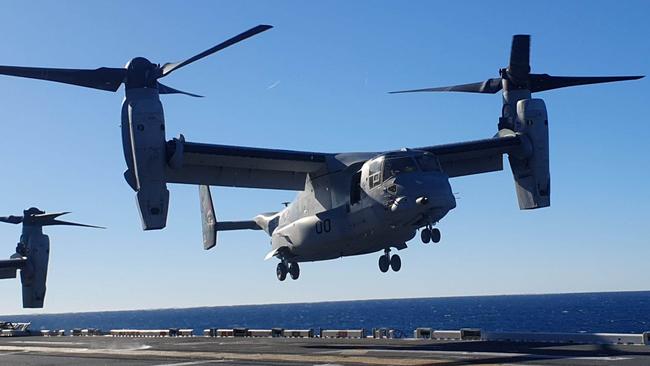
(349, 203)
(33, 253)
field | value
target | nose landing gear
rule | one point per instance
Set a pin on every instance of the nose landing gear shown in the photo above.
(292, 268)
(386, 261)
(430, 234)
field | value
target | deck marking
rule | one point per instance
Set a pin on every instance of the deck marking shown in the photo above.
(192, 363)
(48, 342)
(357, 352)
(12, 353)
(272, 357)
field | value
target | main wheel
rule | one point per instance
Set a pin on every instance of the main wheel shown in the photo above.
(395, 263)
(435, 235)
(281, 271)
(384, 263)
(294, 271)
(425, 235)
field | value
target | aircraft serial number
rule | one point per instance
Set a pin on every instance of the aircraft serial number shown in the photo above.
(324, 226)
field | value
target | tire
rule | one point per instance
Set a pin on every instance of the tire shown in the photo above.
(281, 271)
(294, 271)
(395, 263)
(384, 263)
(435, 235)
(425, 235)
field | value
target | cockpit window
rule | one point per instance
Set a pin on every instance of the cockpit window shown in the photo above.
(374, 173)
(395, 166)
(374, 167)
(428, 163)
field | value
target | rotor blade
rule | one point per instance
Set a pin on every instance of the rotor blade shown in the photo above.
(490, 86)
(104, 78)
(50, 216)
(164, 89)
(519, 65)
(68, 223)
(11, 219)
(541, 82)
(169, 67)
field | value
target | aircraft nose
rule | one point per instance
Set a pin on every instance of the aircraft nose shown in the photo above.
(438, 193)
(445, 201)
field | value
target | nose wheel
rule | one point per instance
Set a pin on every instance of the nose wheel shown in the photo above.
(430, 234)
(387, 261)
(293, 269)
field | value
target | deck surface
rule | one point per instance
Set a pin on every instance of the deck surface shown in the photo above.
(296, 351)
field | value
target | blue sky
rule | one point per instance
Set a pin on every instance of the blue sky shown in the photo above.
(318, 81)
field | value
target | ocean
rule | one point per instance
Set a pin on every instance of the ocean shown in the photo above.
(617, 312)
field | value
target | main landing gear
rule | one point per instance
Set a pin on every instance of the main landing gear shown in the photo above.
(386, 261)
(430, 233)
(291, 268)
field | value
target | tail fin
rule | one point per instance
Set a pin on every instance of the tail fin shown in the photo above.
(209, 220)
(531, 170)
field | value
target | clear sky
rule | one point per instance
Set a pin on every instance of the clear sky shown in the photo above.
(318, 81)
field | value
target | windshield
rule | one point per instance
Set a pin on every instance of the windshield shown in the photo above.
(395, 166)
(374, 173)
(428, 163)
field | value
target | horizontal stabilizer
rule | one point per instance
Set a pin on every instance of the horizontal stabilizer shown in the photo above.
(237, 225)
(210, 223)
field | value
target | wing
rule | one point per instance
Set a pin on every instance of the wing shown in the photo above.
(475, 157)
(8, 267)
(236, 166)
(248, 167)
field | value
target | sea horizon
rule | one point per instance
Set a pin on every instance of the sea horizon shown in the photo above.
(333, 301)
(606, 312)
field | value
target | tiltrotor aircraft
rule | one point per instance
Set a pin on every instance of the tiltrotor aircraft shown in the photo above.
(32, 253)
(349, 203)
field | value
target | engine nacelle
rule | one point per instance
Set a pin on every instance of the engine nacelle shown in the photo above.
(34, 275)
(143, 139)
(531, 172)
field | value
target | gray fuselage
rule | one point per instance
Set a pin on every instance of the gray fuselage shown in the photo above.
(358, 211)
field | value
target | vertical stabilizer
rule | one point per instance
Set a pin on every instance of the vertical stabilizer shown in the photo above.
(208, 218)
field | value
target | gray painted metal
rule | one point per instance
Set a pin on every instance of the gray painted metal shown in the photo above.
(347, 203)
(143, 122)
(532, 173)
(208, 218)
(32, 253)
